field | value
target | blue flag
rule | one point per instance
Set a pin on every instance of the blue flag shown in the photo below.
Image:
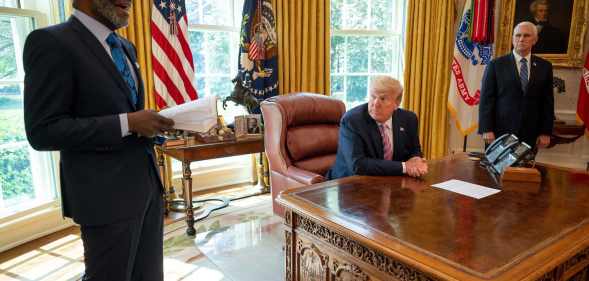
(258, 53)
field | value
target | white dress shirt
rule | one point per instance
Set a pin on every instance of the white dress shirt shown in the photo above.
(518, 59)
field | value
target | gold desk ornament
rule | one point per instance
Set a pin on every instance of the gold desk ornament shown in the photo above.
(218, 133)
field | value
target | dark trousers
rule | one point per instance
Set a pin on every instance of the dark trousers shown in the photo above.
(130, 250)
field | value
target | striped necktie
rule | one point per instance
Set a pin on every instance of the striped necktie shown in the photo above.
(386, 142)
(120, 60)
(523, 73)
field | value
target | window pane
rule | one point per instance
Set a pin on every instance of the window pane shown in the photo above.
(357, 55)
(210, 12)
(355, 14)
(8, 55)
(381, 54)
(211, 51)
(382, 11)
(338, 53)
(357, 88)
(15, 166)
(337, 87)
(9, 3)
(337, 8)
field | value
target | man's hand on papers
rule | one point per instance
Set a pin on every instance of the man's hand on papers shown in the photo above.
(148, 123)
(416, 166)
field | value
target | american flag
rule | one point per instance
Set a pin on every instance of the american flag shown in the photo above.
(171, 55)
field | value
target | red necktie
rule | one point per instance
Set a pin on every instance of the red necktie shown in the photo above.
(386, 142)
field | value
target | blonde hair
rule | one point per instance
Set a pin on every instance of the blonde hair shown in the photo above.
(387, 84)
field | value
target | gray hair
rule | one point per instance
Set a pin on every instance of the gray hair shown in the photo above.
(527, 23)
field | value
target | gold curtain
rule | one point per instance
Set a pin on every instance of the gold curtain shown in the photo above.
(428, 54)
(302, 28)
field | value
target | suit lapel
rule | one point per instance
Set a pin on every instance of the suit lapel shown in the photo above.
(374, 134)
(515, 73)
(532, 72)
(396, 135)
(98, 51)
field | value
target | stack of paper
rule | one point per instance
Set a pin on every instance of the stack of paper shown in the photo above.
(197, 116)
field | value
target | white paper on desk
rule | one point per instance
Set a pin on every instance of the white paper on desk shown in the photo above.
(199, 115)
(466, 188)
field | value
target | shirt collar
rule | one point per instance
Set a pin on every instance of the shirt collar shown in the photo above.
(519, 58)
(388, 124)
(99, 30)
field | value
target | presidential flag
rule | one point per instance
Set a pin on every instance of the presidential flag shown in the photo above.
(258, 61)
(583, 102)
(171, 58)
(468, 65)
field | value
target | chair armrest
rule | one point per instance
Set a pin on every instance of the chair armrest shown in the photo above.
(303, 176)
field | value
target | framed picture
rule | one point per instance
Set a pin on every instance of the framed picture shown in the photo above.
(561, 28)
(248, 125)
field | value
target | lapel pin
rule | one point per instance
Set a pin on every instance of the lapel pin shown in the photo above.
(402, 129)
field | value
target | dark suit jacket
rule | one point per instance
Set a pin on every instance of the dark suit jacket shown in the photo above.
(505, 108)
(360, 149)
(73, 97)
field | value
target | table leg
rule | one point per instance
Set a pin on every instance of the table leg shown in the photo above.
(187, 185)
(162, 170)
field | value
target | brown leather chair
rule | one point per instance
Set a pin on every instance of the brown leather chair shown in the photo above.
(300, 138)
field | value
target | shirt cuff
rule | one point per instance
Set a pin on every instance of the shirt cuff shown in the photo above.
(404, 169)
(124, 125)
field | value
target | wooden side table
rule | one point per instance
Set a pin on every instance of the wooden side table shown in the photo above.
(196, 151)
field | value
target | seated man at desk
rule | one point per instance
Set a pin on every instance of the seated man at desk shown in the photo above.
(378, 138)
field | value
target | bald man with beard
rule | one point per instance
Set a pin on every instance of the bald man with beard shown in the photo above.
(83, 97)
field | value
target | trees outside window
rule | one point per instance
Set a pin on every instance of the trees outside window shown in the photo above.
(366, 40)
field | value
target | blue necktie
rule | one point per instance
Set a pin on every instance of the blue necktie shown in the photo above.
(523, 73)
(120, 60)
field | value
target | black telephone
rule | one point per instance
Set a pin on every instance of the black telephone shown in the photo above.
(504, 152)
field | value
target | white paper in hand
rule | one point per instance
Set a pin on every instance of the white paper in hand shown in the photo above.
(198, 116)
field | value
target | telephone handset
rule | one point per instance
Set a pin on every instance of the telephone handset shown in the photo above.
(499, 146)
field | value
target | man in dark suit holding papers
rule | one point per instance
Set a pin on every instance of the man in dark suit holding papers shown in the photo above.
(84, 97)
(378, 138)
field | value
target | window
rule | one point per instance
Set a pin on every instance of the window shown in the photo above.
(29, 198)
(214, 27)
(26, 176)
(367, 39)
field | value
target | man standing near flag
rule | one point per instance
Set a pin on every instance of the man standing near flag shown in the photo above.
(84, 97)
(516, 93)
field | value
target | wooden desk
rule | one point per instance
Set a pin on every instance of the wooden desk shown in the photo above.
(399, 228)
(203, 151)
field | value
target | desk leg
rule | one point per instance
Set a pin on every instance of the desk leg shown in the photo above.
(187, 185)
(162, 170)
